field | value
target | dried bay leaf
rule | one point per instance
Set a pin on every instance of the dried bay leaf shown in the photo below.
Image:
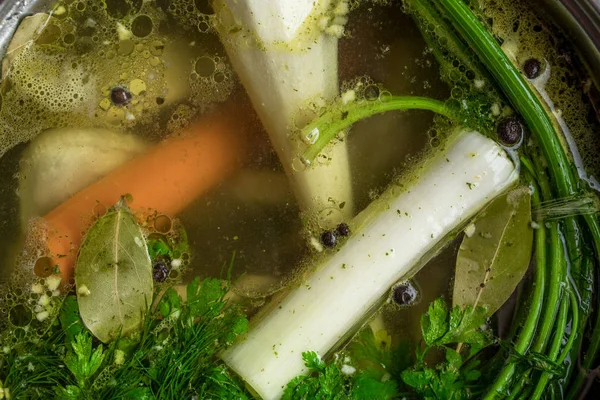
(492, 261)
(113, 275)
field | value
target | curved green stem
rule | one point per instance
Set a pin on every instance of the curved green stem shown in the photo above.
(326, 127)
(561, 324)
(594, 346)
(517, 89)
(557, 273)
(524, 99)
(574, 323)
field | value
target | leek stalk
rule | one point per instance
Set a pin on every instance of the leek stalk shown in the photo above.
(392, 238)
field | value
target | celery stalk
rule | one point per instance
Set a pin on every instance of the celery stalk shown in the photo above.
(285, 54)
(391, 239)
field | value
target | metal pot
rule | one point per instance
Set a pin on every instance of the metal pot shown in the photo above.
(581, 20)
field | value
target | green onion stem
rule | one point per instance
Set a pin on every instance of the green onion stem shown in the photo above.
(430, 17)
(557, 272)
(523, 98)
(574, 323)
(516, 89)
(326, 127)
(594, 344)
(561, 325)
(515, 391)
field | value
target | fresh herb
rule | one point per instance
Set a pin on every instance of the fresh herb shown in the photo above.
(83, 361)
(327, 383)
(173, 356)
(447, 381)
(377, 370)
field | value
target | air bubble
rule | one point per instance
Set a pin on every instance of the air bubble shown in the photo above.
(20, 315)
(69, 39)
(121, 8)
(203, 26)
(219, 77)
(163, 223)
(371, 92)
(205, 67)
(43, 267)
(385, 96)
(141, 26)
(456, 93)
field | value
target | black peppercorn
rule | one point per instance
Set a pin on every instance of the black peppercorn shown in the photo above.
(532, 68)
(404, 294)
(120, 96)
(329, 239)
(160, 271)
(343, 229)
(510, 131)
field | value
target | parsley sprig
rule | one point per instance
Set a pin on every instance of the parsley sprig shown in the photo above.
(173, 357)
(384, 372)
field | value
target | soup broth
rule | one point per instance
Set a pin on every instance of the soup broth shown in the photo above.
(91, 86)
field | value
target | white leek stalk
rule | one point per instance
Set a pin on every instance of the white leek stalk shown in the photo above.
(392, 238)
(285, 53)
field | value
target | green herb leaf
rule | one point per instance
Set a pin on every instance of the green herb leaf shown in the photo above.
(70, 392)
(313, 361)
(492, 261)
(434, 324)
(441, 327)
(82, 361)
(70, 321)
(114, 275)
(367, 388)
(327, 382)
(170, 303)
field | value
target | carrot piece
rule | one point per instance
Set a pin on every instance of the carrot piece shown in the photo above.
(165, 179)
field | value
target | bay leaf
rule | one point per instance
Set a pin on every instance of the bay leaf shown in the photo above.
(113, 275)
(493, 259)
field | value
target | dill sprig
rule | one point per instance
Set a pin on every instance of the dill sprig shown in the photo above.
(174, 356)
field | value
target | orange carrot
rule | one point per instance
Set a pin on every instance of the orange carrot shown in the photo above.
(165, 179)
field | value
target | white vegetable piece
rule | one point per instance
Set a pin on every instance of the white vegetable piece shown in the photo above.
(285, 52)
(60, 162)
(392, 238)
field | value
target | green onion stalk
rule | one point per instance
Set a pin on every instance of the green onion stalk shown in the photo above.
(563, 281)
(561, 176)
(324, 129)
